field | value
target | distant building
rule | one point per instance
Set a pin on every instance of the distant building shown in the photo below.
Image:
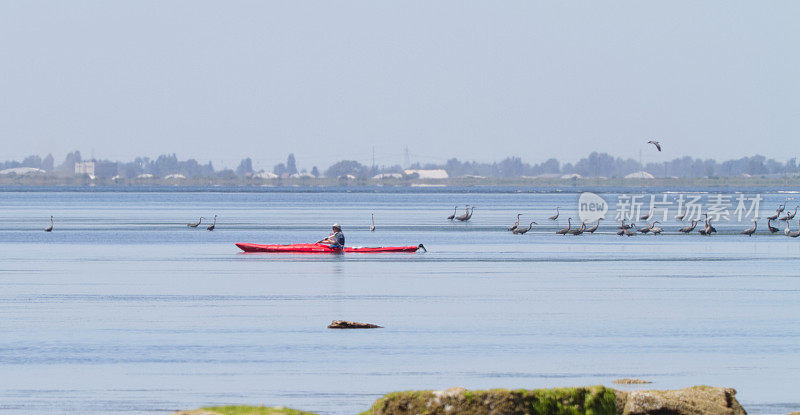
(387, 176)
(640, 175)
(176, 176)
(22, 171)
(302, 176)
(96, 169)
(265, 175)
(429, 174)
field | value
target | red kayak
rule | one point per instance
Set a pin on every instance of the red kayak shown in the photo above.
(324, 249)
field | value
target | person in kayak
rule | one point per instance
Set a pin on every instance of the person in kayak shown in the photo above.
(336, 239)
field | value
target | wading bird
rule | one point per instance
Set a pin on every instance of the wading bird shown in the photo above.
(372, 226)
(464, 216)
(656, 229)
(777, 213)
(787, 231)
(790, 216)
(631, 231)
(565, 230)
(704, 231)
(782, 207)
(454, 213)
(771, 228)
(523, 231)
(751, 231)
(213, 225)
(655, 143)
(646, 216)
(793, 213)
(645, 230)
(708, 229)
(796, 233)
(195, 224)
(682, 215)
(594, 228)
(49, 228)
(471, 211)
(688, 229)
(624, 226)
(576, 232)
(516, 224)
(555, 217)
(711, 228)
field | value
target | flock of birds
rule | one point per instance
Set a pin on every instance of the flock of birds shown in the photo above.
(624, 229)
(463, 218)
(210, 227)
(630, 229)
(199, 221)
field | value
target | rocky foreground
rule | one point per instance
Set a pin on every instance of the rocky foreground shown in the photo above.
(595, 400)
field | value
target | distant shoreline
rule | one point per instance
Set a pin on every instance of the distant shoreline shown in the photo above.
(565, 185)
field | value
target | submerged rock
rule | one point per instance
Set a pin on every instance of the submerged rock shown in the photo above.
(343, 324)
(627, 381)
(697, 400)
(596, 400)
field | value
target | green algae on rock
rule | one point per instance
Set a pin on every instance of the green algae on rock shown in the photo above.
(594, 400)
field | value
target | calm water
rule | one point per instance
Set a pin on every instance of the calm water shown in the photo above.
(124, 309)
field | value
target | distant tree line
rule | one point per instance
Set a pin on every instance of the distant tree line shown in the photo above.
(594, 165)
(606, 165)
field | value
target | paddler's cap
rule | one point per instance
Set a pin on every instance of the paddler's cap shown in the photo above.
(336, 226)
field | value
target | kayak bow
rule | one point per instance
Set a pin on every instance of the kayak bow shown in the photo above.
(325, 249)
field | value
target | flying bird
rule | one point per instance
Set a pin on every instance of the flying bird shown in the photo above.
(655, 143)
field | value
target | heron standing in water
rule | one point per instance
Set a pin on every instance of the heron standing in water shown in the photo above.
(195, 224)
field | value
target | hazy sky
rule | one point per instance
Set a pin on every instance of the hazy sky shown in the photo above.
(329, 80)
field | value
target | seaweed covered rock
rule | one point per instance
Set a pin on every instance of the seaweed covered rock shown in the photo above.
(596, 400)
(344, 324)
(697, 400)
